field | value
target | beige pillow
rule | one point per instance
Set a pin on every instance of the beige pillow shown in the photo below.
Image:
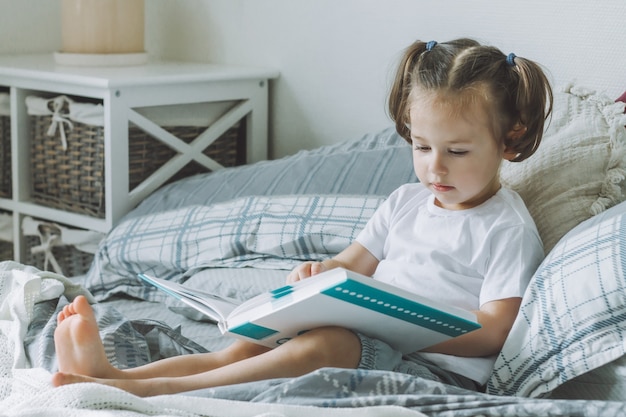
(579, 168)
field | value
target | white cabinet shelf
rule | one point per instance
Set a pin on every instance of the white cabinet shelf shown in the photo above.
(122, 91)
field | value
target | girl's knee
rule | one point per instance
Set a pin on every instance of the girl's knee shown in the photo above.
(240, 350)
(332, 346)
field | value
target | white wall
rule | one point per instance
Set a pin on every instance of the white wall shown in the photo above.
(335, 56)
(29, 26)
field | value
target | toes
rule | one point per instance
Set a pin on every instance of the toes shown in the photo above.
(62, 378)
(64, 313)
(81, 306)
(57, 379)
(67, 310)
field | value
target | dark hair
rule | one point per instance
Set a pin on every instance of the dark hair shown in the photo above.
(519, 95)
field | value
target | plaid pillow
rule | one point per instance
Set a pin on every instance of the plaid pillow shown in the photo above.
(573, 315)
(262, 232)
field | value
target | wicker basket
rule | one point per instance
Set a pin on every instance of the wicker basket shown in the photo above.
(6, 236)
(147, 154)
(73, 179)
(5, 156)
(72, 261)
(6, 250)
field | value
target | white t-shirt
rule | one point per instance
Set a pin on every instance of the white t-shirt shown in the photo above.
(461, 257)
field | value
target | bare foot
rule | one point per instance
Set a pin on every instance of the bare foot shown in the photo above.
(78, 345)
(140, 387)
(61, 378)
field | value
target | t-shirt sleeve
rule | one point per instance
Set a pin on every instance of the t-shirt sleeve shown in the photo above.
(515, 255)
(376, 230)
(374, 234)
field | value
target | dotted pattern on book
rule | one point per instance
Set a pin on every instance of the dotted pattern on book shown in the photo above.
(401, 308)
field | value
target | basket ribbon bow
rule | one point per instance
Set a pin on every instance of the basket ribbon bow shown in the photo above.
(48, 240)
(49, 236)
(59, 119)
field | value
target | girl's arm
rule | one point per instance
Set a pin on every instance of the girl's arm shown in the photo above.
(496, 318)
(355, 258)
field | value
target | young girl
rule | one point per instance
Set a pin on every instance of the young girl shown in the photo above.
(456, 236)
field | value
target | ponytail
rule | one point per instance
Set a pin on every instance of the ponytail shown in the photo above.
(533, 101)
(398, 103)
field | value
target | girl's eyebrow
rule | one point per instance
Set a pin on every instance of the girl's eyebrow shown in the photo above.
(460, 141)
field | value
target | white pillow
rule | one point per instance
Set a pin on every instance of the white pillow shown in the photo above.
(573, 314)
(579, 166)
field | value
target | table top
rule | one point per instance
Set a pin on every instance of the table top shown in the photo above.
(44, 67)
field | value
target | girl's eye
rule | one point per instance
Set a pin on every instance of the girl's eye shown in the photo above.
(421, 148)
(457, 153)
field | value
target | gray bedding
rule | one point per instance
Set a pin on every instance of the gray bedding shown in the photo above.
(134, 342)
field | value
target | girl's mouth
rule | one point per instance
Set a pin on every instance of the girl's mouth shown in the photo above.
(442, 188)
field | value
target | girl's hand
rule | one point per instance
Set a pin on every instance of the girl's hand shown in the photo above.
(305, 270)
(355, 258)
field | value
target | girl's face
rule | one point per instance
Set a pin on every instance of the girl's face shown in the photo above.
(455, 153)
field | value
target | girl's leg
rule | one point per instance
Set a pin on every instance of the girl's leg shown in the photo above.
(80, 350)
(243, 362)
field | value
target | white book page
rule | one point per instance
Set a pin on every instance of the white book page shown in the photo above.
(214, 306)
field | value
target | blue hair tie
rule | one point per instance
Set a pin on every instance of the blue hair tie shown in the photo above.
(430, 45)
(511, 59)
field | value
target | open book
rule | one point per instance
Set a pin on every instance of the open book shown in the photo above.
(337, 297)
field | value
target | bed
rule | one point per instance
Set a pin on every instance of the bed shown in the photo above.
(237, 232)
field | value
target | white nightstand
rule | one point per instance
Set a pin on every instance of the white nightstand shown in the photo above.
(121, 90)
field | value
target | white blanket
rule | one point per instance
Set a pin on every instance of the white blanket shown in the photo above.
(26, 391)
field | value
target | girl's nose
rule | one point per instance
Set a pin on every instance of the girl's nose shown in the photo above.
(437, 164)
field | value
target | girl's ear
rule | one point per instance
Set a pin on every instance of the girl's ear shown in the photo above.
(509, 155)
(516, 133)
